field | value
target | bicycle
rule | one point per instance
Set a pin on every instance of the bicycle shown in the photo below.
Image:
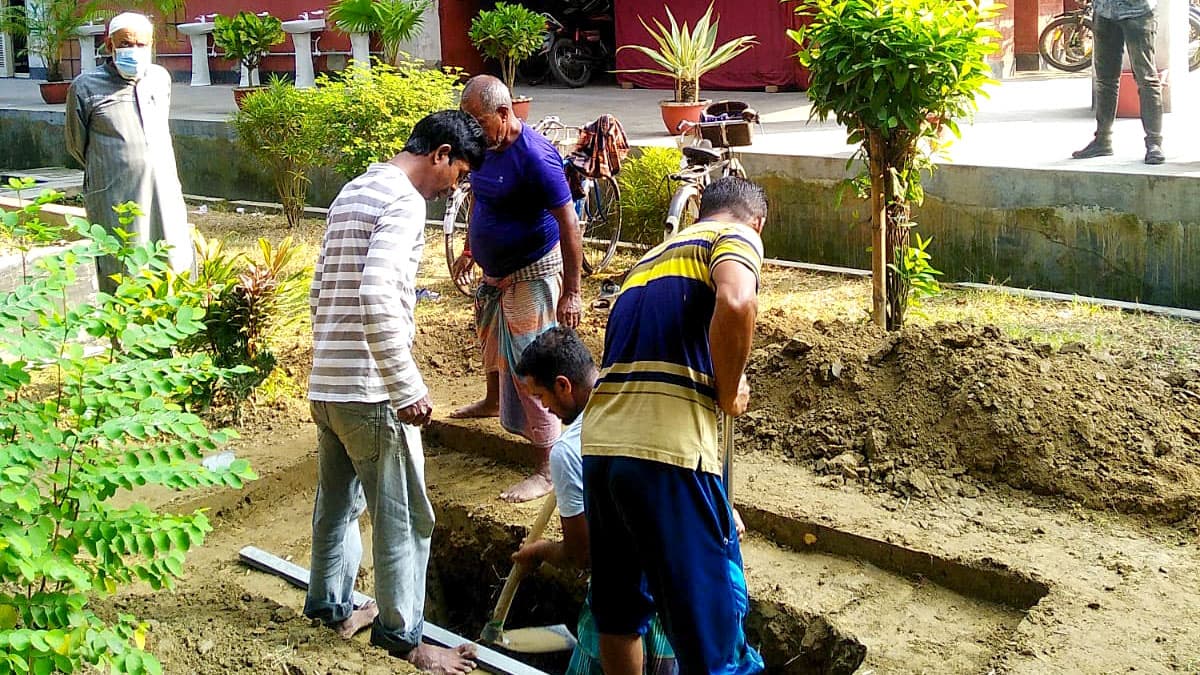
(598, 212)
(704, 164)
(1066, 42)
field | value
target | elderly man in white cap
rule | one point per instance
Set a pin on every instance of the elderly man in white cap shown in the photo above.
(117, 128)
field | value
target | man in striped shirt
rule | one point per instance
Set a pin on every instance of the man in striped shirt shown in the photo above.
(367, 396)
(662, 534)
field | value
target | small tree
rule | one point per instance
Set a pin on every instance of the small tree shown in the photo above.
(279, 127)
(895, 73)
(79, 427)
(247, 37)
(510, 34)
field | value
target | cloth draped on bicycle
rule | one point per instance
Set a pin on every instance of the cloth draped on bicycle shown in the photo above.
(601, 148)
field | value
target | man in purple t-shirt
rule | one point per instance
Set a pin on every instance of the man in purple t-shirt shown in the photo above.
(525, 236)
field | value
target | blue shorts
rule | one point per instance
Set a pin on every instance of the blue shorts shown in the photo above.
(663, 538)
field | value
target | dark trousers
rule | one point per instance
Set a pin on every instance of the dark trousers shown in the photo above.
(1136, 36)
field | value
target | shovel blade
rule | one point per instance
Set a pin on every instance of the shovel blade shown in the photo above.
(538, 640)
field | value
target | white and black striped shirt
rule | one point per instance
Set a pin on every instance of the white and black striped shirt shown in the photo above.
(363, 293)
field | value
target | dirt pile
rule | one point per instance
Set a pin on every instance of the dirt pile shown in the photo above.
(954, 408)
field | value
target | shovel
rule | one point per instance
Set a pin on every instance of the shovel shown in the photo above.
(727, 466)
(538, 640)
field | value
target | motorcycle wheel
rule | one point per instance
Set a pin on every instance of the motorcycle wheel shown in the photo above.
(570, 63)
(1066, 43)
(1193, 39)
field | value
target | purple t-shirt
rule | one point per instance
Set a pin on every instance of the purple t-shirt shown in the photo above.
(511, 224)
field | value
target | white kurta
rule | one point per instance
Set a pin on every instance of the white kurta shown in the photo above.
(118, 130)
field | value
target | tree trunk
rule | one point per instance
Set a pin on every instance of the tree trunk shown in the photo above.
(879, 220)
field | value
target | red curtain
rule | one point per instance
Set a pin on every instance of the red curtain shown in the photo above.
(771, 62)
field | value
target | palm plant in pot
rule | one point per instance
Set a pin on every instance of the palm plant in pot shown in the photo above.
(48, 26)
(247, 38)
(396, 22)
(685, 54)
(510, 34)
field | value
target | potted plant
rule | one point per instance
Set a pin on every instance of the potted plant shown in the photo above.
(396, 21)
(510, 34)
(685, 54)
(48, 26)
(247, 38)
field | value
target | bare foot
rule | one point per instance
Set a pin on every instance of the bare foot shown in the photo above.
(442, 661)
(358, 620)
(537, 485)
(484, 408)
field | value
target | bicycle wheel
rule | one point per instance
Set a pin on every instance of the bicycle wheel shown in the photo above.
(570, 63)
(600, 222)
(1066, 43)
(454, 227)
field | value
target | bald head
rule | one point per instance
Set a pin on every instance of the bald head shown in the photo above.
(487, 100)
(486, 93)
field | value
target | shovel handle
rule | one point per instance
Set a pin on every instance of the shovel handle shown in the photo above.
(727, 460)
(518, 570)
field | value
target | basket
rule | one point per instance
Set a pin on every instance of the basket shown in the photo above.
(727, 133)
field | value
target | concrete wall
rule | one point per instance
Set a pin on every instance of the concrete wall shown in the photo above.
(1122, 236)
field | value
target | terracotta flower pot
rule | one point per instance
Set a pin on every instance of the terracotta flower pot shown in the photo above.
(240, 93)
(673, 113)
(521, 107)
(54, 92)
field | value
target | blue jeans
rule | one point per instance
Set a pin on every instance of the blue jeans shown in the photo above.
(1135, 35)
(368, 459)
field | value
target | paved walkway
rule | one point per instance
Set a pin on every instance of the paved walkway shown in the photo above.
(1032, 122)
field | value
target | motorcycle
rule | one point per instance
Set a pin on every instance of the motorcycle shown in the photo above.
(583, 42)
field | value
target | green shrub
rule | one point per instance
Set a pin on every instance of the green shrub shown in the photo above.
(277, 126)
(248, 305)
(396, 21)
(78, 428)
(646, 193)
(369, 113)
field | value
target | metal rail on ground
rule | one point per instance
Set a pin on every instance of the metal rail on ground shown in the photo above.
(487, 659)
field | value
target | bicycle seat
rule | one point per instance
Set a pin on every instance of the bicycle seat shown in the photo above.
(703, 153)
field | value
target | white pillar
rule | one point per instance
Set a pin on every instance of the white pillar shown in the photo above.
(304, 60)
(87, 53)
(200, 74)
(427, 45)
(360, 48)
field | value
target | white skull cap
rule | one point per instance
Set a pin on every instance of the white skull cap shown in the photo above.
(133, 20)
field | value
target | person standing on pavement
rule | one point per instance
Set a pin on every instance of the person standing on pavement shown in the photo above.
(1125, 26)
(662, 532)
(525, 236)
(368, 399)
(116, 127)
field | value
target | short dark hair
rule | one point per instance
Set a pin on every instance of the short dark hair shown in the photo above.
(558, 351)
(449, 127)
(737, 196)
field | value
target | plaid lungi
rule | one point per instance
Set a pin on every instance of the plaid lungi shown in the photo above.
(510, 313)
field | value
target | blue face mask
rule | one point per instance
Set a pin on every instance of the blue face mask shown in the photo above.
(131, 62)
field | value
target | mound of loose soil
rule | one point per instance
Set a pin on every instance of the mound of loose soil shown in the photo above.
(955, 408)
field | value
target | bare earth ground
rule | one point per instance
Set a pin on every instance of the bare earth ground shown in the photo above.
(1060, 442)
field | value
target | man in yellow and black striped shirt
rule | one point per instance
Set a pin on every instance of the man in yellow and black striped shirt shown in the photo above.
(661, 529)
